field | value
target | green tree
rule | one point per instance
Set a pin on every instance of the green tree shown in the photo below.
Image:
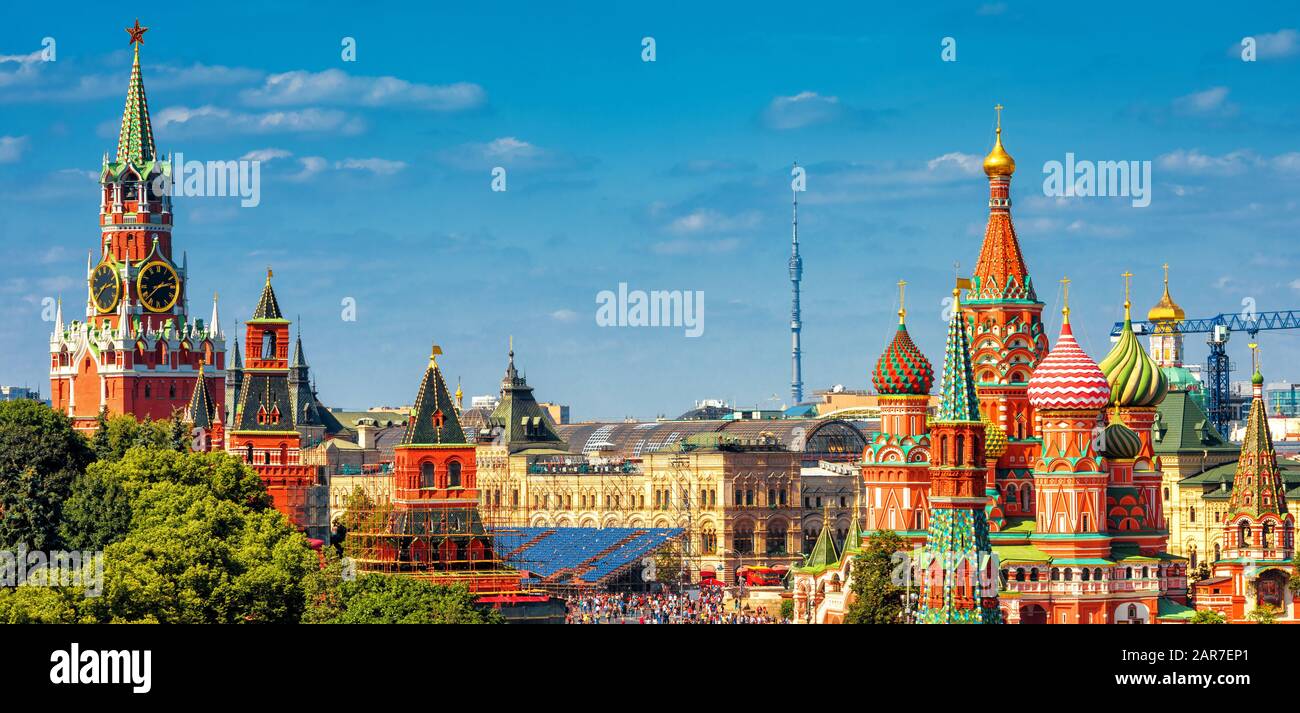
(1208, 616)
(99, 509)
(1264, 614)
(40, 457)
(191, 557)
(787, 609)
(118, 434)
(877, 598)
(42, 605)
(374, 598)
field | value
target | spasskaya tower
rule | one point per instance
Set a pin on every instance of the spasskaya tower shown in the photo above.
(137, 351)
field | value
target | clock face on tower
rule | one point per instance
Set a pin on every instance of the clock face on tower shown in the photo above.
(105, 287)
(158, 286)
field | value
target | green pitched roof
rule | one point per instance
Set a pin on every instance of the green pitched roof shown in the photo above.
(202, 409)
(958, 401)
(1257, 485)
(518, 422)
(433, 418)
(823, 553)
(1170, 609)
(1181, 426)
(853, 541)
(135, 140)
(268, 308)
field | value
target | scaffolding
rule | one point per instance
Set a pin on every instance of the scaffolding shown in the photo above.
(450, 546)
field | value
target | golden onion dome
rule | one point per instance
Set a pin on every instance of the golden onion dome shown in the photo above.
(999, 162)
(1166, 310)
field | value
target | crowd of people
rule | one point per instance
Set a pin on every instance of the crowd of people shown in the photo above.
(660, 608)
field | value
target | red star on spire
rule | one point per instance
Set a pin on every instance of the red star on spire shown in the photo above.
(137, 32)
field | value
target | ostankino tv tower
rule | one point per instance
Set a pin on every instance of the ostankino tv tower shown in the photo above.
(796, 274)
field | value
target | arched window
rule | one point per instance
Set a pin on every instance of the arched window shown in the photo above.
(1069, 574)
(708, 540)
(268, 344)
(960, 456)
(1191, 514)
(776, 538)
(1024, 498)
(1096, 574)
(426, 475)
(148, 390)
(248, 450)
(744, 539)
(1243, 534)
(1266, 535)
(1033, 574)
(284, 454)
(1056, 575)
(1020, 574)
(453, 474)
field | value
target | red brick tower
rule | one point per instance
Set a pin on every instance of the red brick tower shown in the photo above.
(275, 414)
(435, 530)
(1007, 332)
(895, 465)
(137, 351)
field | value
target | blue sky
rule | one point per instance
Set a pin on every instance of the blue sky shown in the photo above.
(665, 175)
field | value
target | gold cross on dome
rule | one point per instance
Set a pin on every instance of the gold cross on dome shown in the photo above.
(902, 312)
(1065, 309)
(998, 108)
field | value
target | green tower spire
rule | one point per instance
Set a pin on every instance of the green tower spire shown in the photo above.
(135, 142)
(958, 400)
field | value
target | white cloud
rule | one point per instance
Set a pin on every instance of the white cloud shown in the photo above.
(1195, 162)
(265, 155)
(213, 120)
(11, 148)
(311, 166)
(334, 86)
(510, 152)
(1271, 45)
(702, 221)
(690, 247)
(564, 315)
(803, 109)
(992, 8)
(1295, 284)
(967, 163)
(378, 166)
(1207, 102)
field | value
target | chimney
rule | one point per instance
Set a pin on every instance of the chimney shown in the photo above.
(366, 435)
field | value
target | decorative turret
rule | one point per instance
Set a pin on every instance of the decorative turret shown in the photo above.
(433, 417)
(1166, 339)
(1000, 273)
(1134, 377)
(1068, 379)
(1257, 526)
(902, 369)
(960, 581)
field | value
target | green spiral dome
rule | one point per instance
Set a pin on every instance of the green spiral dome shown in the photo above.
(1120, 441)
(1134, 378)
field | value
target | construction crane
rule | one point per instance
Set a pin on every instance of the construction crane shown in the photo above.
(1217, 365)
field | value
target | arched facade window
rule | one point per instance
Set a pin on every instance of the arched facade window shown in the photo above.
(453, 474)
(776, 538)
(426, 475)
(743, 540)
(1243, 534)
(268, 344)
(708, 540)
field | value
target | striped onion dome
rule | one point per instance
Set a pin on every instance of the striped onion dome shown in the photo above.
(1121, 442)
(995, 439)
(1068, 379)
(903, 369)
(1134, 377)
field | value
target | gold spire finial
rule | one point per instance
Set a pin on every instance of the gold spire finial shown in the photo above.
(433, 355)
(1127, 303)
(1065, 309)
(1254, 356)
(999, 162)
(902, 311)
(1166, 266)
(268, 274)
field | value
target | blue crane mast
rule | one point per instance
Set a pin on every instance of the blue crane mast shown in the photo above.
(1217, 365)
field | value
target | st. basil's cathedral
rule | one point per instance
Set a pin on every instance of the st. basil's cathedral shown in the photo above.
(1033, 495)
